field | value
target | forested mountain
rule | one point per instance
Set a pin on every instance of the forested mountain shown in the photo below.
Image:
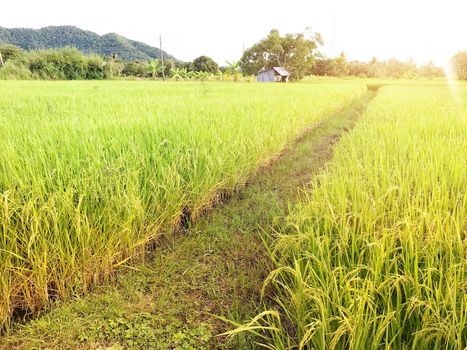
(84, 40)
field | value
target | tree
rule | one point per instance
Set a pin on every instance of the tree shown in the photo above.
(205, 64)
(295, 52)
(340, 66)
(189, 66)
(374, 68)
(358, 69)
(459, 63)
(429, 70)
(335, 67)
(322, 67)
(399, 69)
(233, 68)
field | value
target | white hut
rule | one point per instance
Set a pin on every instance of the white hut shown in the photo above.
(278, 74)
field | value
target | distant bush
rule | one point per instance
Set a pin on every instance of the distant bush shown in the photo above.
(69, 63)
(59, 64)
(392, 68)
(205, 64)
(459, 62)
(97, 68)
(15, 71)
(135, 68)
(65, 64)
(9, 52)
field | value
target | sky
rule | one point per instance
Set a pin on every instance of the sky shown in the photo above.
(419, 29)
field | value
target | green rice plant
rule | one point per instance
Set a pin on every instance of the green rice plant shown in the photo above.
(375, 253)
(92, 171)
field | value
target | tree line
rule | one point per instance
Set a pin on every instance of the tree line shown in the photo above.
(69, 63)
(298, 53)
(393, 68)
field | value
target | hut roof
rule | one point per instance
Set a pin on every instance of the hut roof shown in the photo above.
(281, 71)
(277, 70)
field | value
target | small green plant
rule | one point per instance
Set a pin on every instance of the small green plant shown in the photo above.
(143, 331)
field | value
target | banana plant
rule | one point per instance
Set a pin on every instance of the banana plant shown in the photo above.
(201, 75)
(190, 74)
(219, 75)
(178, 73)
(233, 68)
(155, 67)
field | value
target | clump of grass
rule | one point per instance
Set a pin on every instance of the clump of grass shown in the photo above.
(375, 256)
(92, 171)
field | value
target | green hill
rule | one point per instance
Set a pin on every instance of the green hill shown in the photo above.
(84, 40)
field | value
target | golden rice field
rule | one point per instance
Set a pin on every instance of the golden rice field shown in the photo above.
(92, 171)
(375, 253)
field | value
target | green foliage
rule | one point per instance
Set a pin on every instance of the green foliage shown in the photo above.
(459, 62)
(70, 64)
(15, 71)
(9, 52)
(60, 64)
(337, 67)
(96, 68)
(54, 37)
(135, 68)
(143, 331)
(340, 67)
(295, 52)
(64, 64)
(205, 64)
(155, 67)
(178, 73)
(233, 68)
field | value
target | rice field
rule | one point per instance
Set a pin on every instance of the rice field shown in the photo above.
(375, 253)
(90, 172)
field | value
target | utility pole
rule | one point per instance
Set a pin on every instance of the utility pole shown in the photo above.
(162, 57)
